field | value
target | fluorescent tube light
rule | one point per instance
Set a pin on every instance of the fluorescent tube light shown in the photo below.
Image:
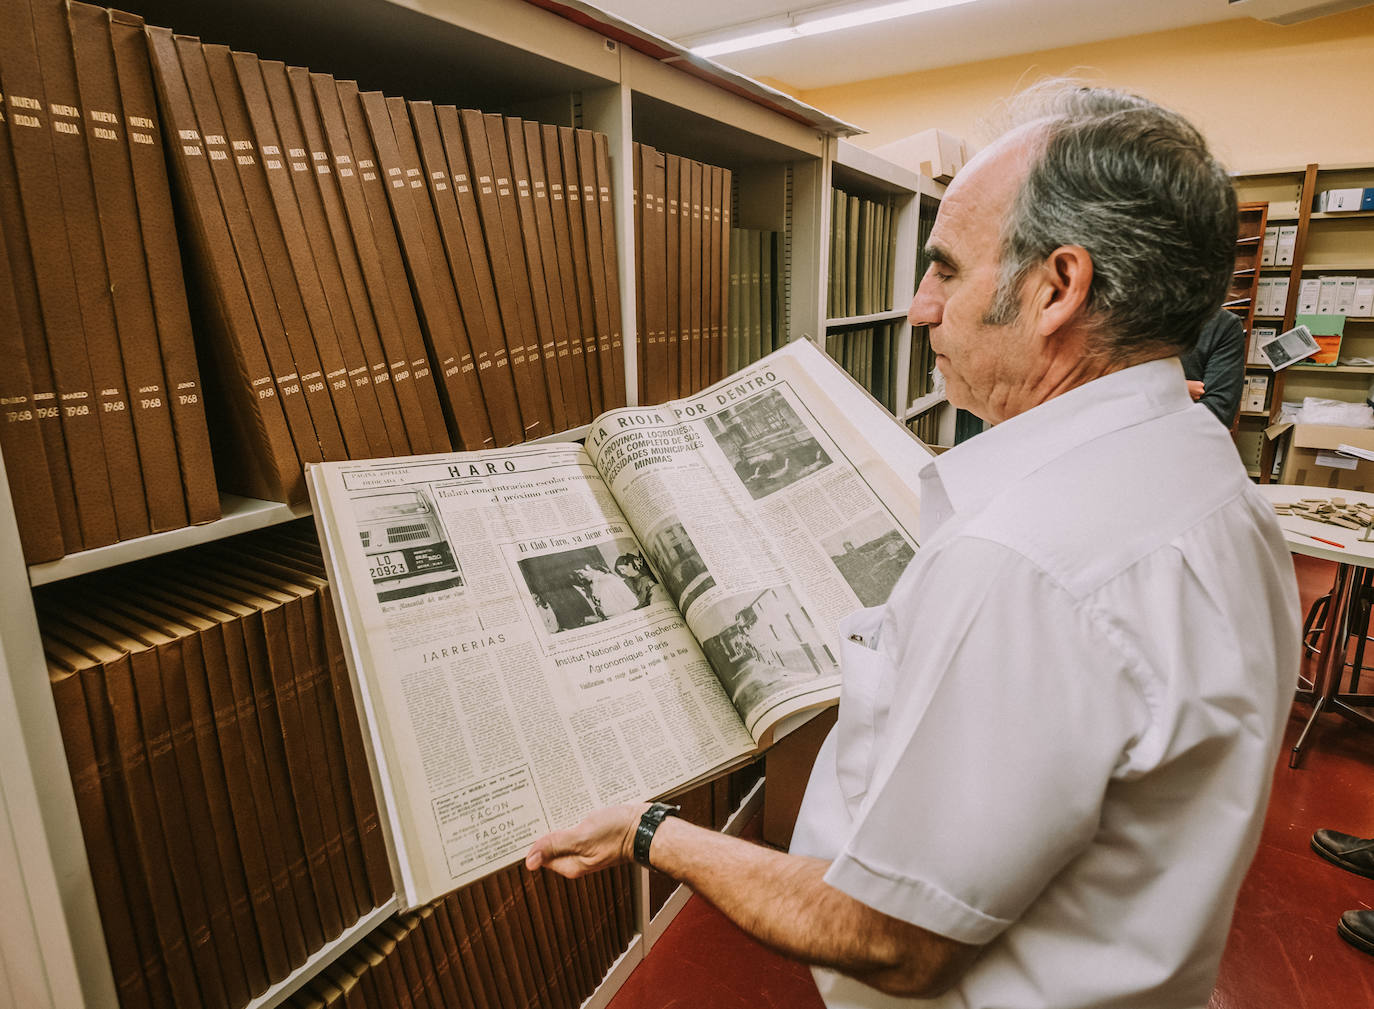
(817, 22)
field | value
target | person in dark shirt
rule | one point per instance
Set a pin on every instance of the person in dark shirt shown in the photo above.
(1215, 368)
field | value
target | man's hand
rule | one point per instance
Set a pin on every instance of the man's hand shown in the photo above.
(603, 839)
(1196, 389)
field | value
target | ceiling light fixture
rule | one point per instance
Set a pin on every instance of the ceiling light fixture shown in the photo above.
(771, 31)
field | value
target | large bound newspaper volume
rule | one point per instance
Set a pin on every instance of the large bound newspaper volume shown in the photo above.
(538, 631)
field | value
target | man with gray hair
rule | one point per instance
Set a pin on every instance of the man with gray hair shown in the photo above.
(1055, 739)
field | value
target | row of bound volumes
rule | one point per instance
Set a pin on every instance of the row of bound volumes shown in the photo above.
(682, 224)
(862, 246)
(380, 276)
(758, 320)
(103, 429)
(514, 940)
(219, 768)
(869, 353)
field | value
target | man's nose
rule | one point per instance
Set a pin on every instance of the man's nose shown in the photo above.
(927, 307)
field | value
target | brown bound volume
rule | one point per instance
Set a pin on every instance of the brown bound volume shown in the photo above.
(528, 369)
(561, 162)
(30, 351)
(695, 298)
(612, 370)
(718, 188)
(166, 964)
(317, 100)
(557, 370)
(92, 60)
(34, 223)
(568, 342)
(159, 591)
(288, 171)
(418, 973)
(656, 280)
(149, 759)
(488, 346)
(473, 948)
(430, 947)
(200, 794)
(205, 786)
(726, 183)
(162, 255)
(284, 640)
(458, 947)
(234, 616)
(21, 439)
(248, 117)
(258, 452)
(686, 376)
(527, 165)
(298, 121)
(393, 267)
(602, 152)
(503, 341)
(502, 943)
(210, 77)
(532, 909)
(447, 339)
(671, 189)
(83, 232)
(585, 226)
(311, 687)
(641, 286)
(486, 141)
(67, 669)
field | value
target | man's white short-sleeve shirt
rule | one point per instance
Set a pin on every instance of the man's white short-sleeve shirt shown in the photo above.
(1056, 738)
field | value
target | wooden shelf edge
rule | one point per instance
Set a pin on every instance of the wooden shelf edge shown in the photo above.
(324, 956)
(924, 404)
(859, 320)
(239, 515)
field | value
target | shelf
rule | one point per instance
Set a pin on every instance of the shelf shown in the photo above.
(923, 404)
(1283, 217)
(856, 167)
(1251, 240)
(1285, 268)
(1340, 215)
(1349, 265)
(324, 956)
(1261, 414)
(892, 314)
(240, 515)
(1335, 369)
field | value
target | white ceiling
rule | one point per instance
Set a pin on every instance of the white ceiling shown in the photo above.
(985, 29)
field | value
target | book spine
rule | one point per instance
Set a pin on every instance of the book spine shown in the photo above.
(94, 297)
(37, 215)
(610, 262)
(488, 347)
(210, 74)
(672, 292)
(92, 57)
(162, 255)
(243, 97)
(374, 192)
(570, 197)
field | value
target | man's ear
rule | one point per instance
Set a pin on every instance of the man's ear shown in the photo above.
(1065, 278)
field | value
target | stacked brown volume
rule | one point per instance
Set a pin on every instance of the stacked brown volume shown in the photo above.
(863, 242)
(103, 423)
(383, 277)
(682, 228)
(219, 770)
(757, 323)
(511, 941)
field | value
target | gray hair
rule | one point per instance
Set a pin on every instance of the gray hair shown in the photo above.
(1135, 185)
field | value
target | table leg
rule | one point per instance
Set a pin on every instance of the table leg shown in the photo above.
(1327, 677)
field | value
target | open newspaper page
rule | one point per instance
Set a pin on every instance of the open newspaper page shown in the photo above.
(770, 505)
(517, 661)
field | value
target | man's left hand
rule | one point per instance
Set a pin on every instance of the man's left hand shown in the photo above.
(604, 839)
(1196, 389)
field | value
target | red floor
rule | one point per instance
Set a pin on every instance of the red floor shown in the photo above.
(1283, 952)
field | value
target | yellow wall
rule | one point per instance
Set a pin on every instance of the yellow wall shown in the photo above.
(1266, 96)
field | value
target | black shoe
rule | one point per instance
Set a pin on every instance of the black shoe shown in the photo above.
(1357, 928)
(1354, 854)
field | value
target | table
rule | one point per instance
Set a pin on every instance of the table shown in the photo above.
(1355, 559)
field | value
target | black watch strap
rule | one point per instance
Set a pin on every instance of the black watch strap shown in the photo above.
(648, 824)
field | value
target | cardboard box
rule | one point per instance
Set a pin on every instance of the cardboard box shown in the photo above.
(1311, 457)
(1287, 243)
(933, 153)
(1270, 245)
(1333, 200)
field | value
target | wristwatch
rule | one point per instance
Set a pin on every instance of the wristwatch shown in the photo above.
(648, 824)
